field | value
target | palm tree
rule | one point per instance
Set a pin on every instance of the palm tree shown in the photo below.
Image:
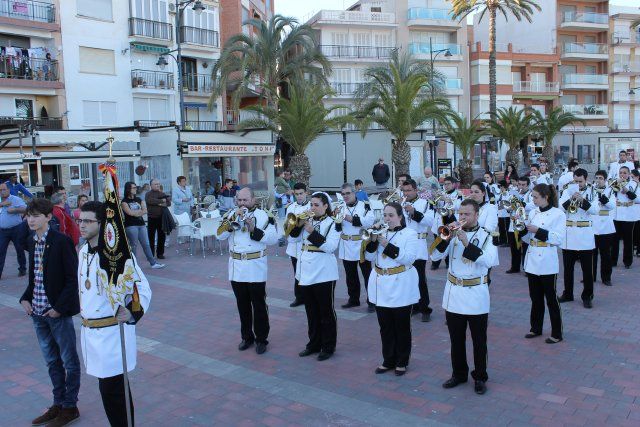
(513, 125)
(518, 8)
(299, 119)
(548, 127)
(279, 51)
(400, 96)
(464, 137)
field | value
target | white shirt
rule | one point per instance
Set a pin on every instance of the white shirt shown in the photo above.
(614, 168)
(544, 260)
(627, 213)
(350, 249)
(603, 220)
(421, 225)
(318, 267)
(580, 238)
(293, 246)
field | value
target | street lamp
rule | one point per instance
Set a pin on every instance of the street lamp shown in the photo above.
(432, 58)
(632, 90)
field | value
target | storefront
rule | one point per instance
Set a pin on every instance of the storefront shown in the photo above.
(611, 145)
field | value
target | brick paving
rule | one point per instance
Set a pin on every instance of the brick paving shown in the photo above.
(190, 372)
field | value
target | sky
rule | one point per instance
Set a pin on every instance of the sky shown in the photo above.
(303, 10)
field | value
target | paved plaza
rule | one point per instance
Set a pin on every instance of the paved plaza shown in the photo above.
(191, 373)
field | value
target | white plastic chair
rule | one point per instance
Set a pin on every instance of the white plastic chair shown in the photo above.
(214, 213)
(183, 227)
(203, 228)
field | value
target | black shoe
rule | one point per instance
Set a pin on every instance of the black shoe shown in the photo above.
(512, 271)
(532, 335)
(401, 371)
(627, 267)
(382, 369)
(371, 308)
(587, 304)
(480, 387)
(452, 382)
(296, 302)
(606, 282)
(261, 347)
(307, 352)
(552, 340)
(324, 355)
(564, 299)
(426, 317)
(244, 344)
(160, 257)
(350, 304)
(22, 273)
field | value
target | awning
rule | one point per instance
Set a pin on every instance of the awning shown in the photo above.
(143, 47)
(62, 137)
(222, 144)
(10, 162)
(195, 105)
(74, 157)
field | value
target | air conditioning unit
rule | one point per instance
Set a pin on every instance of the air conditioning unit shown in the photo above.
(172, 8)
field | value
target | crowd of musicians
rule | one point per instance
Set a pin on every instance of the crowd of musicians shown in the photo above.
(585, 216)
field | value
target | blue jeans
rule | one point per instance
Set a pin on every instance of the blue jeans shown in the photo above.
(138, 233)
(57, 339)
(12, 234)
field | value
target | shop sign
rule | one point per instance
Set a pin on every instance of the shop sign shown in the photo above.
(231, 149)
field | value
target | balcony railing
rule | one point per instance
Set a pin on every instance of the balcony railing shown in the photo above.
(585, 48)
(233, 117)
(626, 67)
(588, 79)
(206, 125)
(536, 87)
(24, 68)
(585, 17)
(586, 110)
(50, 123)
(153, 123)
(345, 88)
(423, 48)
(428, 13)
(28, 10)
(354, 16)
(453, 83)
(151, 79)
(337, 51)
(197, 82)
(151, 29)
(623, 95)
(625, 38)
(199, 36)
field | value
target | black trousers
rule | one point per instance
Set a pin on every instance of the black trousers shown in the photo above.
(503, 228)
(321, 316)
(624, 231)
(569, 258)
(524, 249)
(603, 247)
(113, 400)
(423, 304)
(395, 333)
(457, 324)
(541, 288)
(251, 299)
(155, 226)
(516, 254)
(297, 290)
(353, 279)
(636, 237)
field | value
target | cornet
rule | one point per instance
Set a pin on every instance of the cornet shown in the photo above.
(237, 221)
(446, 232)
(376, 230)
(519, 219)
(573, 205)
(292, 220)
(396, 196)
(616, 184)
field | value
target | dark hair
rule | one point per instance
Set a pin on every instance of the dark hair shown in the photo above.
(325, 201)
(82, 196)
(127, 189)
(491, 175)
(411, 182)
(602, 173)
(450, 179)
(39, 205)
(480, 185)
(95, 207)
(180, 178)
(581, 172)
(405, 175)
(398, 208)
(503, 183)
(358, 182)
(300, 186)
(623, 151)
(207, 182)
(525, 179)
(58, 188)
(467, 202)
(624, 167)
(548, 192)
(635, 173)
(286, 170)
(228, 180)
(572, 164)
(535, 165)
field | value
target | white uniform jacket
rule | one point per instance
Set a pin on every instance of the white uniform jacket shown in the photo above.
(316, 262)
(502, 213)
(399, 289)
(614, 169)
(471, 262)
(579, 225)
(488, 219)
(565, 178)
(494, 190)
(101, 346)
(542, 254)
(244, 245)
(625, 209)
(603, 220)
(293, 247)
(350, 242)
(421, 222)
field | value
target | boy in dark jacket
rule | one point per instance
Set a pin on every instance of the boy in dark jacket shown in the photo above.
(51, 300)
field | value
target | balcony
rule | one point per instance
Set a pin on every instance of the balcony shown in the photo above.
(199, 36)
(431, 18)
(453, 86)
(354, 17)
(50, 123)
(202, 125)
(233, 117)
(28, 10)
(356, 52)
(30, 73)
(199, 83)
(585, 81)
(626, 68)
(625, 39)
(588, 112)
(535, 89)
(144, 29)
(345, 88)
(144, 79)
(153, 123)
(584, 21)
(422, 51)
(585, 51)
(624, 97)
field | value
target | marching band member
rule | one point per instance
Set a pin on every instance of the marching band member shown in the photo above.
(623, 160)
(534, 175)
(393, 287)
(452, 194)
(579, 241)
(567, 177)
(523, 194)
(545, 176)
(317, 272)
(417, 218)
(503, 198)
(100, 334)
(603, 229)
(635, 178)
(547, 224)
(488, 214)
(466, 295)
(357, 215)
(625, 217)
(300, 205)
(493, 189)
(249, 230)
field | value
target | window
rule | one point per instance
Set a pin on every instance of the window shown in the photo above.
(97, 61)
(590, 69)
(339, 39)
(568, 100)
(589, 99)
(99, 9)
(361, 39)
(24, 108)
(99, 113)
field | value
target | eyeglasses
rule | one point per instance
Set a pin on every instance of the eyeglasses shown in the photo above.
(86, 221)
(346, 194)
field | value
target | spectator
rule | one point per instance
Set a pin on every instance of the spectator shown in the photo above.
(134, 209)
(511, 175)
(217, 188)
(381, 174)
(227, 196)
(283, 192)
(156, 200)
(142, 191)
(235, 185)
(361, 194)
(82, 199)
(208, 189)
(428, 182)
(11, 210)
(402, 178)
(63, 191)
(182, 197)
(15, 187)
(85, 188)
(68, 225)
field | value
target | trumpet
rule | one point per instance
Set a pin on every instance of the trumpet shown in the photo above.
(446, 232)
(519, 219)
(376, 230)
(615, 184)
(396, 196)
(573, 205)
(337, 209)
(231, 221)
(292, 220)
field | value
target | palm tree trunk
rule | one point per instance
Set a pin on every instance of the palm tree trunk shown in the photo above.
(547, 152)
(466, 172)
(513, 156)
(300, 168)
(492, 61)
(401, 156)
